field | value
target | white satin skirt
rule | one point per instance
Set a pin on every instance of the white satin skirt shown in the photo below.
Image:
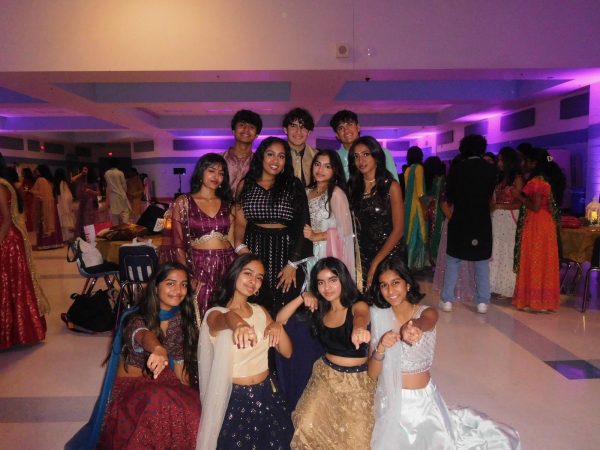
(428, 424)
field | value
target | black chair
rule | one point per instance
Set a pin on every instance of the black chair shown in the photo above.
(107, 270)
(594, 267)
(569, 264)
(137, 263)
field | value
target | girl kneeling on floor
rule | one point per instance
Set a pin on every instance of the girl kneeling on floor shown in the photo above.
(246, 408)
(410, 413)
(152, 361)
(336, 408)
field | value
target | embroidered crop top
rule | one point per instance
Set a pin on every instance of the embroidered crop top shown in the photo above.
(252, 360)
(338, 341)
(418, 357)
(201, 224)
(172, 341)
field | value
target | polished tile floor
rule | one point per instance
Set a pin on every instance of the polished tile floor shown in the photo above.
(539, 373)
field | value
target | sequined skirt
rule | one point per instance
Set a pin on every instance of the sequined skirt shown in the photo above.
(425, 421)
(335, 410)
(273, 247)
(257, 418)
(209, 268)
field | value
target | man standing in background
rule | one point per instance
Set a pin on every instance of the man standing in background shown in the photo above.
(246, 125)
(297, 125)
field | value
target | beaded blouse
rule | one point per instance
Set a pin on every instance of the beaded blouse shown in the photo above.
(261, 207)
(418, 357)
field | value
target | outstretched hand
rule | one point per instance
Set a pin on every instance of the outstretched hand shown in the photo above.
(359, 336)
(244, 335)
(157, 361)
(411, 334)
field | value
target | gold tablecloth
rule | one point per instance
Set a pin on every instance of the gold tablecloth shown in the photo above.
(578, 243)
(110, 249)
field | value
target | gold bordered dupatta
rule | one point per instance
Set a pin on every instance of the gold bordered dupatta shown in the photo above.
(42, 301)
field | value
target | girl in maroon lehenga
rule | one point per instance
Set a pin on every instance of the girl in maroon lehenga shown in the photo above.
(151, 403)
(202, 231)
(22, 302)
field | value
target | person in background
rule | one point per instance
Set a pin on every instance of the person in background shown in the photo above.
(244, 407)
(490, 158)
(246, 125)
(31, 213)
(378, 208)
(505, 216)
(345, 125)
(87, 192)
(148, 195)
(435, 182)
(538, 232)
(469, 189)
(297, 125)
(49, 234)
(135, 191)
(64, 197)
(410, 413)
(23, 304)
(415, 225)
(116, 194)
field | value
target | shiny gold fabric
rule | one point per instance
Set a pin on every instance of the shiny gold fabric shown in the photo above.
(335, 411)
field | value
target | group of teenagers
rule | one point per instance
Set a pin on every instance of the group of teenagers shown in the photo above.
(265, 326)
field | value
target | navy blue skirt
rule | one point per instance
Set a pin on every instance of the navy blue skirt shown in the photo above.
(257, 418)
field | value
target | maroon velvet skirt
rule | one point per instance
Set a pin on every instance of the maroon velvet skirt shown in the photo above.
(144, 413)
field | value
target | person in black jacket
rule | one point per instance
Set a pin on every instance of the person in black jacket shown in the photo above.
(469, 188)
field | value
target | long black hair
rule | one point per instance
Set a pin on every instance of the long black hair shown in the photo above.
(59, 176)
(433, 167)
(547, 168)
(44, 172)
(511, 165)
(222, 296)
(414, 295)
(149, 309)
(383, 177)
(209, 160)
(338, 178)
(285, 181)
(10, 174)
(348, 296)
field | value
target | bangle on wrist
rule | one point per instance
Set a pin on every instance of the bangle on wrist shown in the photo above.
(374, 356)
(239, 248)
(292, 264)
(380, 352)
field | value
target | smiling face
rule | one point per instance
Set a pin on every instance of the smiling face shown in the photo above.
(322, 170)
(329, 285)
(347, 133)
(250, 278)
(173, 289)
(213, 176)
(274, 159)
(364, 161)
(244, 132)
(296, 134)
(393, 288)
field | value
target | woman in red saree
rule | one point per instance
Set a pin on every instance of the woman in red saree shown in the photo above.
(22, 302)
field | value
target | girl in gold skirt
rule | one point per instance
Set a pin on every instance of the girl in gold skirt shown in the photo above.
(336, 408)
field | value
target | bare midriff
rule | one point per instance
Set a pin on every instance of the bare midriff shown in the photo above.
(344, 361)
(271, 225)
(212, 244)
(252, 379)
(415, 380)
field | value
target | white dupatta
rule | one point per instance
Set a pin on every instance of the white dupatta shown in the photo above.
(388, 396)
(215, 365)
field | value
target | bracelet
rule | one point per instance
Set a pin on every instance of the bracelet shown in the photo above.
(373, 356)
(381, 353)
(302, 295)
(239, 248)
(292, 264)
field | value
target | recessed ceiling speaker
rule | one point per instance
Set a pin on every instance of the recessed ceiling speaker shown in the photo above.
(342, 50)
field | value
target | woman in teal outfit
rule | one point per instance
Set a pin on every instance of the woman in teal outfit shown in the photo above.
(415, 225)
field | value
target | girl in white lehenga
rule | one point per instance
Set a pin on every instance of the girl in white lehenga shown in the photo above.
(330, 227)
(409, 411)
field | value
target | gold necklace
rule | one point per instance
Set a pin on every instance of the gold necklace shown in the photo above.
(371, 181)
